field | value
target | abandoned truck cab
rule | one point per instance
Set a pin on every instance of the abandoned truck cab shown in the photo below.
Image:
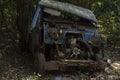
(62, 35)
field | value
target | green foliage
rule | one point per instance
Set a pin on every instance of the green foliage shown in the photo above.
(32, 77)
(109, 21)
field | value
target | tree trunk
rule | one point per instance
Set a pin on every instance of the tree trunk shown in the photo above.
(25, 12)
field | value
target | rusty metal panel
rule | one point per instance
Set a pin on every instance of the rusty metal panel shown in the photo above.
(56, 65)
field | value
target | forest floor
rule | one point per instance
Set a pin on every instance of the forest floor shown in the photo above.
(15, 66)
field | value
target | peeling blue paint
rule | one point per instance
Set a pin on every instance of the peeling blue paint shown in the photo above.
(34, 21)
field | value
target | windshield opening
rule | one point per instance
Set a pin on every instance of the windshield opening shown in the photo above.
(60, 16)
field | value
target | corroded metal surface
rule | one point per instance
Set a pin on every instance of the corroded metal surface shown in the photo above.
(56, 65)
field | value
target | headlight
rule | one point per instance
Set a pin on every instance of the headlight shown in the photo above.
(61, 31)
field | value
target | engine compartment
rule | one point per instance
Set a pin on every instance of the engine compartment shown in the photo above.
(68, 42)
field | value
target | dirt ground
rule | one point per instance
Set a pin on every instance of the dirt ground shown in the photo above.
(18, 65)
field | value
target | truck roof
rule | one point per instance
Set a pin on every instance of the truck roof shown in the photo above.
(72, 9)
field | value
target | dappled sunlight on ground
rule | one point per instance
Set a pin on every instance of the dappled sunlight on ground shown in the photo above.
(116, 65)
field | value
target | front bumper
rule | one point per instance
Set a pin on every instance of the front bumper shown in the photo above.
(59, 65)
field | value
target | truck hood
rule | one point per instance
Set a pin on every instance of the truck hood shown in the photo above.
(72, 9)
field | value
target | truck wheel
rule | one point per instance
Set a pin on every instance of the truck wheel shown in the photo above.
(39, 62)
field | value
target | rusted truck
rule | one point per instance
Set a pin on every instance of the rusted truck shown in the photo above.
(63, 35)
